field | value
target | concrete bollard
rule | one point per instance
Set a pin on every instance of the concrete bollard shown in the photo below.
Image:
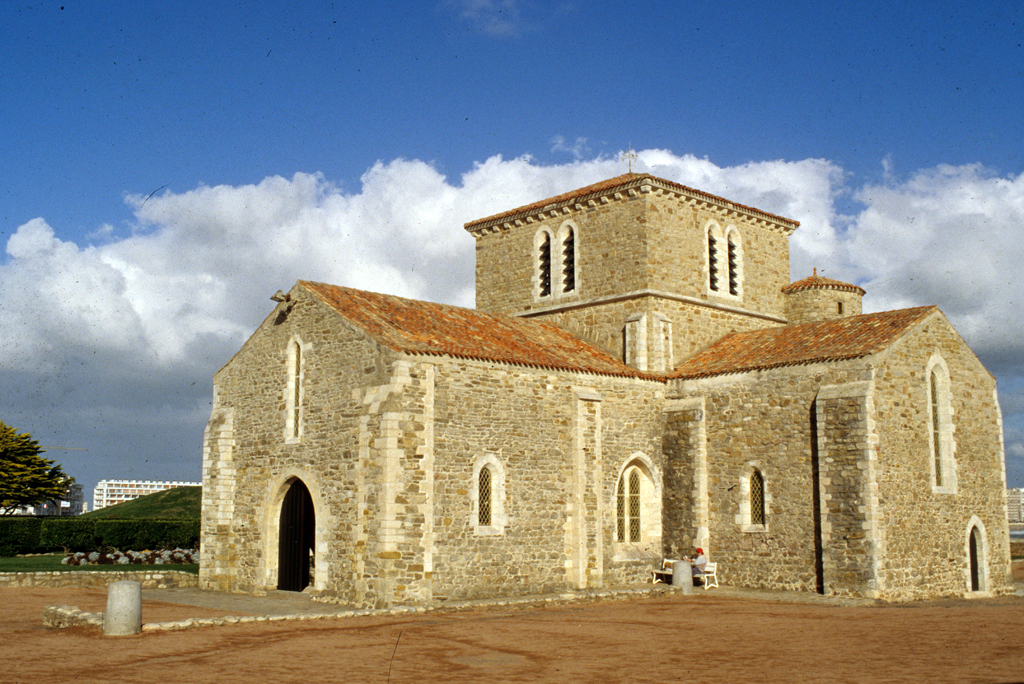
(124, 609)
(682, 576)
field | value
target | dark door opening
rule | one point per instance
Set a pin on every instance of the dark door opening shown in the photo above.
(975, 575)
(297, 530)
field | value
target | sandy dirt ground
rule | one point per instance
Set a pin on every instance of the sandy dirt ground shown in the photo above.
(703, 638)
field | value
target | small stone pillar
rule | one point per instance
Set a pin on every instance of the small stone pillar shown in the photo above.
(682, 576)
(124, 609)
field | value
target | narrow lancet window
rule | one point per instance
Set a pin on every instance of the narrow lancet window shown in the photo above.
(297, 385)
(569, 262)
(756, 498)
(634, 506)
(620, 511)
(484, 494)
(936, 429)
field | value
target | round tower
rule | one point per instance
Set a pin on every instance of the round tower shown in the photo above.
(820, 299)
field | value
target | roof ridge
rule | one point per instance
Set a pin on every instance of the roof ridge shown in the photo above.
(621, 181)
(835, 339)
(413, 326)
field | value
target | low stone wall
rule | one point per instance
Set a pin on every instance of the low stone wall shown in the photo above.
(149, 579)
(1017, 548)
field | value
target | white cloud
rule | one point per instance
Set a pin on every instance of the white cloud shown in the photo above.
(951, 236)
(134, 328)
(493, 17)
(577, 149)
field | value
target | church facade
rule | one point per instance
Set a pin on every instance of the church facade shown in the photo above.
(639, 377)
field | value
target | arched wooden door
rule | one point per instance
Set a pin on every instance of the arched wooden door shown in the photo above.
(297, 531)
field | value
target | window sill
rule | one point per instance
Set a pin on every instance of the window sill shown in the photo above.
(754, 529)
(488, 531)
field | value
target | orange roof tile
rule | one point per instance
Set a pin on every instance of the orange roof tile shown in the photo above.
(816, 282)
(633, 179)
(418, 327)
(793, 345)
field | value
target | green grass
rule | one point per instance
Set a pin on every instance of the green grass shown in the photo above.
(180, 503)
(51, 563)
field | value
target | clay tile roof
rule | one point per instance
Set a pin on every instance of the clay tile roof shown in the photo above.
(793, 345)
(416, 327)
(626, 179)
(816, 282)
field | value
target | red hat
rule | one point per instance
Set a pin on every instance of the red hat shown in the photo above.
(700, 550)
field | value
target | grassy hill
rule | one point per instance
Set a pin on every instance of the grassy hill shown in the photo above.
(180, 503)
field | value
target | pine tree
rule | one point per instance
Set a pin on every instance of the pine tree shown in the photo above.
(26, 478)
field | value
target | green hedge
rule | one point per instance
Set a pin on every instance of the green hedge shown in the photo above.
(139, 535)
(73, 534)
(91, 534)
(19, 535)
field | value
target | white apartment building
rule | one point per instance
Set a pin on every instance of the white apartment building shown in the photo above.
(110, 492)
(1015, 505)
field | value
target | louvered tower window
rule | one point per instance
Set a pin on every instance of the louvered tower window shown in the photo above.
(569, 262)
(545, 266)
(484, 497)
(734, 284)
(756, 498)
(712, 262)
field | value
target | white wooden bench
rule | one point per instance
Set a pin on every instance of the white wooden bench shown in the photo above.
(664, 575)
(709, 575)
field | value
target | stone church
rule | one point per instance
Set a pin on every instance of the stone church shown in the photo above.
(639, 377)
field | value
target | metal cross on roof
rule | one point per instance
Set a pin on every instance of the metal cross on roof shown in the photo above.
(629, 157)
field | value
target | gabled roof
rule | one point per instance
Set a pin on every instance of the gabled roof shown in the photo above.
(416, 327)
(793, 345)
(817, 282)
(623, 182)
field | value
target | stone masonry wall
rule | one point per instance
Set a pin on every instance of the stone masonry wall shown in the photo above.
(337, 362)
(821, 304)
(852, 542)
(645, 240)
(926, 531)
(560, 440)
(761, 420)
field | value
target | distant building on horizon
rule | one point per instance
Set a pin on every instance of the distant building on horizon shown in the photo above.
(73, 503)
(110, 492)
(1015, 505)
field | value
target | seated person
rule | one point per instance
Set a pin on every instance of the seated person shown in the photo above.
(697, 563)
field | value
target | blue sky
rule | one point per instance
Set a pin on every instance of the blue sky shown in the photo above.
(165, 167)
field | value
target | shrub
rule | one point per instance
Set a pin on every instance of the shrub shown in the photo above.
(19, 535)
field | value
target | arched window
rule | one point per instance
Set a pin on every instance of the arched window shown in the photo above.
(484, 497)
(488, 497)
(544, 264)
(294, 391)
(756, 498)
(637, 513)
(712, 260)
(933, 392)
(297, 395)
(568, 260)
(940, 426)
